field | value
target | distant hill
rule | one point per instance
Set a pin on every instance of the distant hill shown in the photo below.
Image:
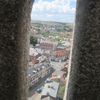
(51, 23)
(46, 28)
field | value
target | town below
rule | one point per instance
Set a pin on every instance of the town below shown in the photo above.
(49, 51)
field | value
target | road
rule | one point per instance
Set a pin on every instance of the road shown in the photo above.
(58, 66)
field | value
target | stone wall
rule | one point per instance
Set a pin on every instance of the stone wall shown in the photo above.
(84, 82)
(14, 40)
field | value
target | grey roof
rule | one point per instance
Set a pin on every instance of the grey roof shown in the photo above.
(50, 89)
(60, 46)
(32, 71)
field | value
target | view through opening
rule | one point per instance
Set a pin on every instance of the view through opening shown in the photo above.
(50, 42)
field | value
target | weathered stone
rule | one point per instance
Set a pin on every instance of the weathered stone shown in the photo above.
(84, 81)
(14, 39)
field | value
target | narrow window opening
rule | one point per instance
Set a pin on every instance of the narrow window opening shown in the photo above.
(51, 33)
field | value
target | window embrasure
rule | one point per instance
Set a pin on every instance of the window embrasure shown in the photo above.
(50, 43)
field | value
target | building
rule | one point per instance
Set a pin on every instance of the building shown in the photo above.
(50, 91)
(40, 71)
(60, 54)
(47, 44)
(39, 67)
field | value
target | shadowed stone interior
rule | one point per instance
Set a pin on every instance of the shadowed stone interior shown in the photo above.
(14, 39)
(84, 81)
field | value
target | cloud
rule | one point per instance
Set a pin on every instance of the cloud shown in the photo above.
(50, 15)
(57, 5)
(53, 7)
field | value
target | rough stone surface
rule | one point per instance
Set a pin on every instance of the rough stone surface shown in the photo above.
(14, 39)
(84, 83)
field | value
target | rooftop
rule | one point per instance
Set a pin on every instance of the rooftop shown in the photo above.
(32, 51)
(50, 89)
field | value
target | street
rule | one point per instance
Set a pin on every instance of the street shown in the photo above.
(58, 66)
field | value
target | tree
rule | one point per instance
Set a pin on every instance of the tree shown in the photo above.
(33, 40)
(45, 34)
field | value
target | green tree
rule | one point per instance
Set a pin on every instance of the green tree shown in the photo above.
(33, 40)
(45, 34)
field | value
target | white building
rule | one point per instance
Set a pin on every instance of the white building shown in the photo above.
(50, 91)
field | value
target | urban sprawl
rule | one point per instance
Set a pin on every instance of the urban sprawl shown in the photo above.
(49, 51)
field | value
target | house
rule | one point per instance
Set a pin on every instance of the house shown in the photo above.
(50, 91)
(39, 71)
(60, 54)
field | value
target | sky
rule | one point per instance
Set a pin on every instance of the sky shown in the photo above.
(54, 10)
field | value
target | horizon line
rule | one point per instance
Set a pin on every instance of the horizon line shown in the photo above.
(53, 21)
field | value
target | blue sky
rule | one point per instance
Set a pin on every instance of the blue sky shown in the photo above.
(54, 10)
